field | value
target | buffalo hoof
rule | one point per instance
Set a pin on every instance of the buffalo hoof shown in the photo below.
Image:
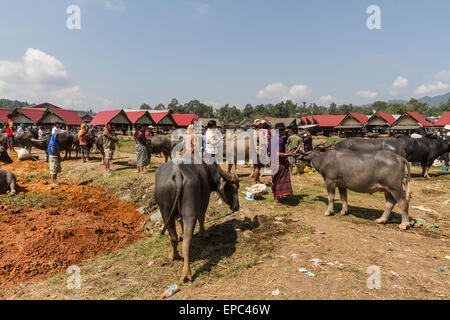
(328, 213)
(381, 220)
(343, 213)
(404, 225)
(174, 256)
(204, 235)
(186, 278)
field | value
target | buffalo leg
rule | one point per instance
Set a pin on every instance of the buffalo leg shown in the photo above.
(230, 166)
(403, 203)
(331, 195)
(180, 221)
(343, 194)
(189, 221)
(174, 255)
(201, 222)
(426, 170)
(390, 203)
(166, 156)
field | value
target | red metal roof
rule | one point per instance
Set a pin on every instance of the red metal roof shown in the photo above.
(4, 114)
(183, 120)
(389, 118)
(70, 117)
(158, 116)
(443, 120)
(304, 120)
(360, 117)
(103, 117)
(416, 117)
(136, 115)
(33, 114)
(329, 120)
(310, 119)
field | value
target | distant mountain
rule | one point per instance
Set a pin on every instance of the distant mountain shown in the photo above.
(431, 101)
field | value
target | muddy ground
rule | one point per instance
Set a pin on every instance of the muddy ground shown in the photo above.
(250, 254)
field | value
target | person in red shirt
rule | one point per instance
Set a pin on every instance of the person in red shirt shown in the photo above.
(10, 133)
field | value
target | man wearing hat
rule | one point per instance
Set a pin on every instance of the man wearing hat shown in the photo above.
(281, 180)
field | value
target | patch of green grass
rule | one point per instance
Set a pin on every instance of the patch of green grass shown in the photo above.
(38, 175)
(29, 200)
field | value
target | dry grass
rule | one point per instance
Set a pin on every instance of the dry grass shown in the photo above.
(259, 249)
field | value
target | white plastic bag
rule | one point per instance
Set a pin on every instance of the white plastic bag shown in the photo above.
(23, 154)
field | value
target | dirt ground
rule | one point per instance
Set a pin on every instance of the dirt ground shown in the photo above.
(255, 253)
(44, 231)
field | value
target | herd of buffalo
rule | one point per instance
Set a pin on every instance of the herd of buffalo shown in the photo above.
(182, 191)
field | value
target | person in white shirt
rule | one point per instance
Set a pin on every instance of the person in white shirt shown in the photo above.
(212, 139)
(56, 129)
(40, 133)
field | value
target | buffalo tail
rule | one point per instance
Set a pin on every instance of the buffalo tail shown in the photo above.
(179, 184)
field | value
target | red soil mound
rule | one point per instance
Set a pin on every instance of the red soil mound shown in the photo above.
(43, 231)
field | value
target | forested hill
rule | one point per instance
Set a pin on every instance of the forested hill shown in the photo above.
(12, 104)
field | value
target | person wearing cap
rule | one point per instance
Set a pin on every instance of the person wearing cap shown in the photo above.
(10, 133)
(281, 179)
(54, 159)
(109, 145)
(83, 140)
(260, 147)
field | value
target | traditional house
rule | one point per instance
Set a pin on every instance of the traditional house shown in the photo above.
(205, 121)
(230, 124)
(43, 106)
(29, 117)
(118, 118)
(380, 122)
(410, 122)
(352, 125)
(327, 123)
(163, 120)
(140, 118)
(69, 118)
(4, 115)
(290, 123)
(246, 124)
(87, 118)
(444, 120)
(184, 120)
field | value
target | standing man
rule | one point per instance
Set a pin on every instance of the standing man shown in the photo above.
(54, 159)
(109, 145)
(281, 179)
(83, 139)
(294, 143)
(142, 158)
(212, 140)
(307, 141)
(261, 140)
(10, 133)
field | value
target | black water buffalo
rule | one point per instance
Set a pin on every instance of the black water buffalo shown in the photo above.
(4, 157)
(64, 139)
(364, 172)
(361, 144)
(7, 182)
(161, 144)
(424, 150)
(183, 191)
(21, 139)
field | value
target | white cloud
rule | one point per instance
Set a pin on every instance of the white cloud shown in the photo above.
(366, 94)
(299, 91)
(431, 87)
(400, 82)
(443, 75)
(278, 91)
(326, 99)
(272, 91)
(114, 5)
(37, 78)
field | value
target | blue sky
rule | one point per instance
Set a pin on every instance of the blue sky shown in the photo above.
(236, 52)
